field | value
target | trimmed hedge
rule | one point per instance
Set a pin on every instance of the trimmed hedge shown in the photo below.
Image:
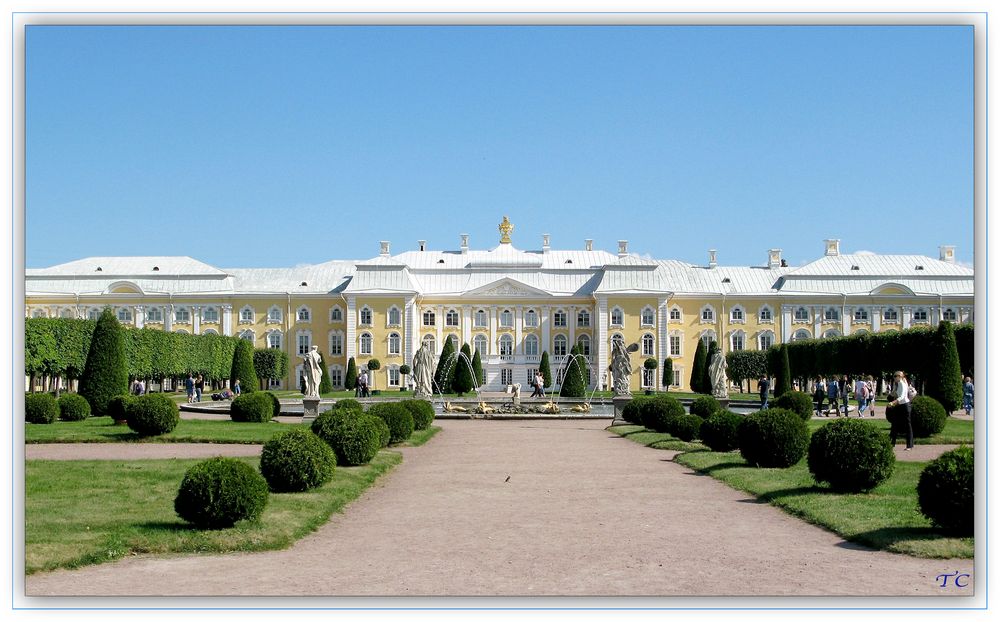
(851, 455)
(398, 418)
(928, 416)
(296, 460)
(105, 373)
(118, 407)
(73, 407)
(383, 428)
(658, 412)
(219, 492)
(422, 411)
(632, 410)
(705, 406)
(686, 427)
(773, 437)
(354, 439)
(348, 404)
(275, 403)
(798, 402)
(253, 407)
(946, 491)
(152, 415)
(40, 408)
(720, 432)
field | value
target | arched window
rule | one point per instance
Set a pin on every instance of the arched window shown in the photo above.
(479, 343)
(37, 313)
(394, 317)
(336, 314)
(647, 316)
(801, 334)
(530, 318)
(366, 344)
(559, 318)
(337, 343)
(181, 331)
(506, 318)
(737, 340)
(124, 314)
(765, 315)
(707, 314)
(182, 315)
(559, 345)
(616, 338)
(890, 315)
(451, 318)
(675, 314)
(304, 314)
(365, 316)
(274, 314)
(481, 318)
(394, 344)
(210, 315)
(210, 331)
(765, 340)
(583, 343)
(154, 314)
(393, 372)
(583, 318)
(861, 314)
(274, 339)
(832, 314)
(708, 337)
(736, 315)
(920, 315)
(617, 317)
(829, 334)
(246, 314)
(647, 345)
(93, 313)
(506, 345)
(530, 345)
(67, 313)
(802, 314)
(949, 315)
(430, 342)
(246, 335)
(429, 317)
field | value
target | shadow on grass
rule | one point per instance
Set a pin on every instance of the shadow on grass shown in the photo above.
(888, 537)
(718, 467)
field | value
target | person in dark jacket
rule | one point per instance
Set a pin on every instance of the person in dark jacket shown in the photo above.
(833, 394)
(819, 396)
(764, 385)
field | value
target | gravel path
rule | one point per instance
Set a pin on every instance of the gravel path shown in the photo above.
(584, 512)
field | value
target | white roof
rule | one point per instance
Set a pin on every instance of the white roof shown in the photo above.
(880, 265)
(129, 267)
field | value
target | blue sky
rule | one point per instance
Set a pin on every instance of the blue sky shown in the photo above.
(277, 146)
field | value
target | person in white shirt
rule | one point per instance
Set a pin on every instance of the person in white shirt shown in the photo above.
(901, 393)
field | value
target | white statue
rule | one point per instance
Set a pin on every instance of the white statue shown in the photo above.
(423, 372)
(621, 368)
(515, 391)
(311, 371)
(717, 373)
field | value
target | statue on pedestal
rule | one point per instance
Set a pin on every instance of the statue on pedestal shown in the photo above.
(717, 374)
(621, 368)
(423, 372)
(311, 371)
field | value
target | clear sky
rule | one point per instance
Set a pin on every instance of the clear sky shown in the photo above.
(266, 146)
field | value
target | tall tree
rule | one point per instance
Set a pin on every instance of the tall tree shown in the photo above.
(242, 368)
(270, 364)
(105, 375)
(477, 364)
(351, 375)
(783, 379)
(944, 381)
(668, 373)
(575, 375)
(698, 368)
(462, 381)
(445, 367)
(325, 386)
(545, 368)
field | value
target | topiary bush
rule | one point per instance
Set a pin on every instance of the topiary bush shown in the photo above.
(632, 410)
(383, 429)
(773, 437)
(40, 408)
(73, 407)
(798, 402)
(685, 427)
(851, 455)
(398, 418)
(118, 407)
(705, 406)
(254, 407)
(927, 416)
(152, 415)
(219, 492)
(275, 403)
(105, 374)
(296, 460)
(945, 491)
(720, 431)
(422, 411)
(348, 404)
(354, 438)
(658, 412)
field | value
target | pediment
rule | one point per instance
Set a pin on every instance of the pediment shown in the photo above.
(507, 288)
(892, 289)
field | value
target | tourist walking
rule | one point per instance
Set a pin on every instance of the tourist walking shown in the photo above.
(363, 381)
(199, 386)
(537, 383)
(236, 388)
(861, 394)
(901, 422)
(870, 386)
(189, 385)
(764, 385)
(819, 396)
(833, 394)
(844, 386)
(968, 391)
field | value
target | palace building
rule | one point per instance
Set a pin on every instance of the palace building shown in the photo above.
(511, 305)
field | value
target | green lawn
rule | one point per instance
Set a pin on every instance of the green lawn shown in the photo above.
(956, 431)
(656, 440)
(104, 430)
(88, 512)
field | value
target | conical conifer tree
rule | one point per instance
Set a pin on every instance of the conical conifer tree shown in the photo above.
(545, 368)
(477, 364)
(105, 374)
(351, 375)
(698, 367)
(445, 367)
(242, 368)
(325, 386)
(462, 381)
(944, 380)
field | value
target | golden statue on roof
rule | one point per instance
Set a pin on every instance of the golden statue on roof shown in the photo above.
(505, 230)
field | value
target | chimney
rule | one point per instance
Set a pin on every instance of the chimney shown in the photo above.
(588, 245)
(422, 244)
(623, 248)
(385, 248)
(545, 242)
(774, 258)
(947, 253)
(465, 243)
(832, 248)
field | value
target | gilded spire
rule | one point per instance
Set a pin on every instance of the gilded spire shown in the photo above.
(505, 230)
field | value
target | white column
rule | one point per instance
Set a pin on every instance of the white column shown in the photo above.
(518, 318)
(786, 323)
(493, 348)
(817, 321)
(906, 316)
(601, 338)
(412, 324)
(571, 320)
(352, 327)
(139, 316)
(467, 325)
(546, 328)
(876, 316)
(168, 318)
(196, 320)
(439, 326)
(661, 332)
(846, 315)
(227, 320)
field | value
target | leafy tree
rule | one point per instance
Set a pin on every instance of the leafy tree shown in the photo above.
(242, 367)
(462, 381)
(944, 382)
(746, 365)
(404, 371)
(783, 379)
(105, 374)
(373, 366)
(477, 364)
(965, 340)
(270, 364)
(575, 375)
(445, 367)
(325, 386)
(351, 375)
(699, 368)
(651, 364)
(545, 369)
(668, 373)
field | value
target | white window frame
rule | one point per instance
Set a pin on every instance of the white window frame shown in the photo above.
(648, 378)
(246, 332)
(308, 314)
(583, 343)
(620, 323)
(949, 315)
(741, 337)
(274, 315)
(210, 331)
(800, 318)
(394, 377)
(831, 333)
(557, 341)
(481, 319)
(243, 319)
(886, 319)
(679, 350)
(365, 316)
(452, 318)
(615, 337)
(299, 336)
(741, 319)
(583, 319)
(366, 339)
(531, 318)
(801, 335)
(336, 338)
(650, 313)
(187, 313)
(93, 313)
(480, 339)
(270, 338)
(710, 312)
(760, 339)
(761, 319)
(675, 311)
(831, 314)
(154, 315)
(389, 321)
(560, 313)
(678, 377)
(336, 375)
(648, 344)
(921, 320)
(67, 313)
(506, 319)
(207, 312)
(432, 340)
(394, 349)
(861, 315)
(531, 345)
(181, 331)
(428, 317)
(118, 314)
(336, 314)
(708, 336)
(505, 340)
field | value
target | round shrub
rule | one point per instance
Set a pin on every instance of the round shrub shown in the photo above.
(686, 427)
(118, 407)
(798, 402)
(851, 455)
(773, 437)
(296, 460)
(40, 408)
(275, 404)
(422, 411)
(398, 418)
(253, 407)
(719, 432)
(73, 407)
(152, 415)
(945, 491)
(927, 416)
(658, 412)
(383, 429)
(705, 406)
(348, 404)
(218, 492)
(632, 410)
(354, 439)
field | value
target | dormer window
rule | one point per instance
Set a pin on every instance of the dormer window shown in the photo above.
(156, 268)
(726, 280)
(855, 268)
(440, 260)
(569, 261)
(302, 284)
(99, 269)
(918, 267)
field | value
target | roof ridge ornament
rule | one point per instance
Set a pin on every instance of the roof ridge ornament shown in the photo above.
(505, 230)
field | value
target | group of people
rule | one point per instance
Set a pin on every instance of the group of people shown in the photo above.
(138, 387)
(838, 391)
(194, 387)
(538, 385)
(361, 389)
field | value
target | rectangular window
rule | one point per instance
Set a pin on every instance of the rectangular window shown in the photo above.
(675, 345)
(648, 378)
(336, 377)
(677, 378)
(559, 319)
(303, 344)
(393, 376)
(506, 376)
(428, 318)
(531, 376)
